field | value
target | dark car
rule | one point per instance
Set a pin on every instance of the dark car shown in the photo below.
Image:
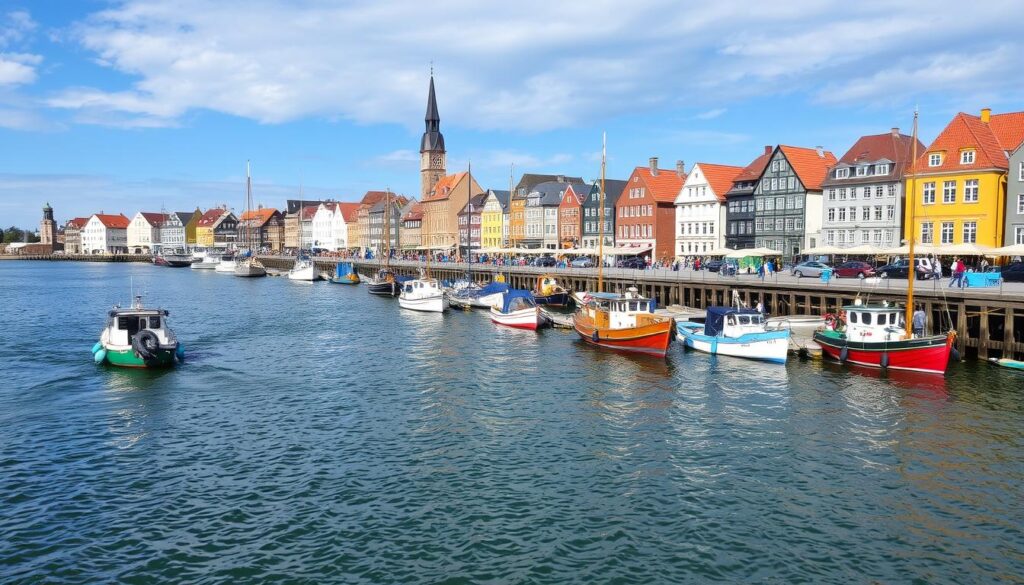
(1013, 272)
(854, 269)
(712, 265)
(546, 261)
(900, 269)
(632, 262)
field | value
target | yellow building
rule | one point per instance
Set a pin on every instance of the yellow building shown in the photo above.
(204, 227)
(961, 182)
(494, 220)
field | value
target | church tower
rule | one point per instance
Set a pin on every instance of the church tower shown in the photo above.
(432, 153)
(47, 227)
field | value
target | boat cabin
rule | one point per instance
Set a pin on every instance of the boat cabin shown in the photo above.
(626, 310)
(883, 322)
(421, 287)
(731, 322)
(124, 324)
(548, 285)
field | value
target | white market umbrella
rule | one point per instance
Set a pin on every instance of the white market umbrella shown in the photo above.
(716, 252)
(821, 251)
(863, 250)
(965, 250)
(746, 253)
(1011, 250)
(905, 249)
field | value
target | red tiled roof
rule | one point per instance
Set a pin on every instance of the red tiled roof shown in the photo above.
(349, 211)
(663, 187)
(310, 210)
(810, 167)
(118, 221)
(967, 131)
(719, 177)
(78, 222)
(894, 147)
(1009, 129)
(444, 187)
(372, 197)
(258, 216)
(752, 172)
(154, 219)
(416, 212)
(210, 217)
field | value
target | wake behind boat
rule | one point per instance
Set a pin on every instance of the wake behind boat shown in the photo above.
(735, 332)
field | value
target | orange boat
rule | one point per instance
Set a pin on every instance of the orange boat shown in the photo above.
(625, 322)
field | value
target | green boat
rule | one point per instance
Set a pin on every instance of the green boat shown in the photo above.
(1008, 363)
(138, 337)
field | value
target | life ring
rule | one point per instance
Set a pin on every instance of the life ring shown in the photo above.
(844, 353)
(146, 343)
(884, 360)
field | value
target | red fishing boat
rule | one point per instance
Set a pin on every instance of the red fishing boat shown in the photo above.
(625, 322)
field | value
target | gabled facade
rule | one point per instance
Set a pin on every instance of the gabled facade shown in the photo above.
(541, 212)
(360, 236)
(394, 217)
(739, 203)
(517, 204)
(1014, 201)
(73, 235)
(441, 208)
(293, 209)
(863, 192)
(570, 216)
(105, 234)
(470, 219)
(144, 232)
(961, 181)
(410, 237)
(645, 212)
(217, 228)
(265, 226)
(494, 220)
(174, 229)
(592, 212)
(700, 208)
(788, 199)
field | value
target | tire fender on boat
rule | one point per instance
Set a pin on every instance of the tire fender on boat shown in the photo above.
(884, 360)
(954, 353)
(844, 353)
(145, 343)
(595, 337)
(99, 356)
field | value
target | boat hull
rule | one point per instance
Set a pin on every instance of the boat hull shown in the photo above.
(204, 265)
(651, 339)
(306, 273)
(347, 279)
(487, 301)
(127, 358)
(1008, 363)
(433, 304)
(926, 354)
(560, 299)
(521, 319)
(384, 289)
(770, 346)
(250, 271)
(225, 267)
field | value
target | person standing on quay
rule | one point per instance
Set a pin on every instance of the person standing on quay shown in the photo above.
(920, 321)
(937, 269)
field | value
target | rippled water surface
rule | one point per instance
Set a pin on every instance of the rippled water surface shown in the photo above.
(318, 434)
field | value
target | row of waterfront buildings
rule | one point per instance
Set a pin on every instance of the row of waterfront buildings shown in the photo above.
(969, 188)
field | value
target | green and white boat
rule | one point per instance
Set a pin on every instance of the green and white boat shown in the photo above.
(137, 337)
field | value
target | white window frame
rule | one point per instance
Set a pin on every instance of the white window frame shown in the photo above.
(948, 197)
(935, 159)
(967, 157)
(862, 171)
(928, 193)
(1020, 203)
(842, 173)
(882, 169)
(946, 232)
(972, 188)
(929, 232)
(971, 228)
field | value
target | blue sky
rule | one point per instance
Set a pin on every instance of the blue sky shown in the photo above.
(139, 104)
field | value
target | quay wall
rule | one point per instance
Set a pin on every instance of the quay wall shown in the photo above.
(80, 257)
(988, 322)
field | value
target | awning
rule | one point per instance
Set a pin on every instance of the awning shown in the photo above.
(755, 252)
(1012, 250)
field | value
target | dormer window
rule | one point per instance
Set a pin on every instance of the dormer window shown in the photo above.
(967, 157)
(862, 171)
(882, 169)
(842, 173)
(935, 159)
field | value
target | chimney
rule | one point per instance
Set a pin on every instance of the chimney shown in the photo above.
(767, 148)
(895, 131)
(653, 162)
(560, 178)
(821, 151)
(986, 114)
(681, 169)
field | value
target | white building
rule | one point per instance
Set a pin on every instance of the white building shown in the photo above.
(105, 234)
(144, 232)
(700, 208)
(328, 228)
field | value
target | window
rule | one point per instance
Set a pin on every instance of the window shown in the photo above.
(853, 214)
(791, 183)
(831, 194)
(1018, 234)
(842, 236)
(832, 211)
(842, 214)
(892, 190)
(780, 203)
(877, 236)
(775, 166)
(842, 193)
(1020, 203)
(842, 173)
(759, 204)
(775, 184)
(970, 232)
(865, 213)
(830, 237)
(949, 191)
(759, 224)
(862, 171)
(778, 224)
(769, 204)
(1020, 171)
(881, 170)
(927, 233)
(934, 159)
(971, 191)
(789, 224)
(967, 157)
(878, 213)
(878, 191)
(947, 232)
(888, 237)
(929, 193)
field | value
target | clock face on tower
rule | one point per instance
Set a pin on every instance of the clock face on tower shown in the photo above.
(436, 161)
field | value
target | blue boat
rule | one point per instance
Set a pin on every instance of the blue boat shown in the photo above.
(345, 273)
(735, 332)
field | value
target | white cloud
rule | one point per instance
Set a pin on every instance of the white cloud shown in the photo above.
(710, 114)
(16, 68)
(529, 66)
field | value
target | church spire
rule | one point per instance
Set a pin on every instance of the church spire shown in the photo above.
(433, 140)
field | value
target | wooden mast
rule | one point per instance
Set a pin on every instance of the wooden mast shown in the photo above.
(911, 200)
(601, 218)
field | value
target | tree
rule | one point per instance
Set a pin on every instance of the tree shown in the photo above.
(13, 234)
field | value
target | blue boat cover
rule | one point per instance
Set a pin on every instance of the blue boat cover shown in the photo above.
(343, 269)
(517, 300)
(494, 287)
(716, 318)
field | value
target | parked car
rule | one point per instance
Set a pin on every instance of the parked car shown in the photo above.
(811, 268)
(545, 261)
(632, 262)
(1013, 272)
(582, 262)
(712, 265)
(901, 268)
(854, 269)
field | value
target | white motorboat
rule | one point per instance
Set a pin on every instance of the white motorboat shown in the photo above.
(737, 333)
(227, 264)
(203, 260)
(518, 309)
(423, 295)
(303, 269)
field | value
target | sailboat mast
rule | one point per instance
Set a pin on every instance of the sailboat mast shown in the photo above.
(469, 221)
(911, 199)
(386, 233)
(248, 205)
(600, 219)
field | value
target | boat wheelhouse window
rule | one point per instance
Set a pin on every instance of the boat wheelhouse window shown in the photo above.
(744, 320)
(730, 320)
(124, 323)
(634, 306)
(154, 322)
(867, 318)
(853, 317)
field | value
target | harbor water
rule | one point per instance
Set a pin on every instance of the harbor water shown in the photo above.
(319, 434)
